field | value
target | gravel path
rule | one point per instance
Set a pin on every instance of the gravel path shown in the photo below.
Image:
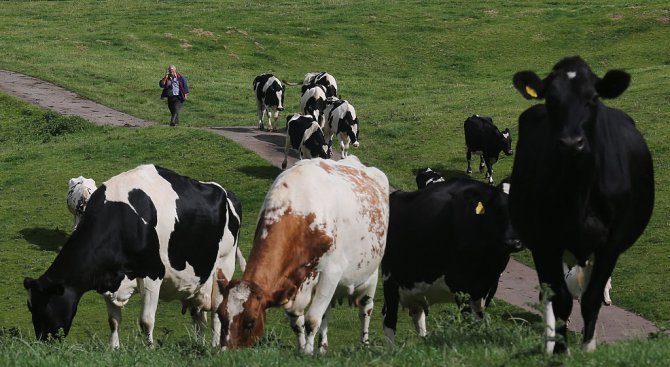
(518, 284)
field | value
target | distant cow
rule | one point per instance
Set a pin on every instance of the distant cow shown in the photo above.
(304, 135)
(79, 192)
(269, 98)
(341, 121)
(583, 185)
(483, 137)
(426, 177)
(309, 250)
(147, 229)
(313, 103)
(446, 238)
(322, 78)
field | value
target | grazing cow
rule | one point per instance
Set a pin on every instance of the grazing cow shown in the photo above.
(313, 103)
(449, 237)
(79, 192)
(147, 229)
(583, 185)
(310, 250)
(322, 78)
(426, 177)
(483, 137)
(269, 98)
(341, 120)
(304, 135)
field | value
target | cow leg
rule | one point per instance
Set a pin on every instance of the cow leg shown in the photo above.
(286, 147)
(481, 163)
(345, 148)
(114, 319)
(592, 300)
(607, 299)
(419, 317)
(324, 292)
(468, 156)
(550, 272)
(390, 310)
(323, 332)
(489, 170)
(150, 292)
(298, 326)
(261, 111)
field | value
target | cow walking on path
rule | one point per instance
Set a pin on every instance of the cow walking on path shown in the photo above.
(148, 230)
(582, 186)
(309, 250)
(483, 137)
(269, 93)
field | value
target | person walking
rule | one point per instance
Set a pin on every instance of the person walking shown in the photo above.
(175, 89)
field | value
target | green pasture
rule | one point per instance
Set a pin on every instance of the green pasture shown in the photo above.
(414, 70)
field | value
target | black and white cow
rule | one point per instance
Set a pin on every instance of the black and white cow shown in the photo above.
(427, 176)
(304, 135)
(321, 78)
(483, 137)
(446, 238)
(269, 98)
(583, 185)
(148, 230)
(313, 103)
(341, 120)
(79, 192)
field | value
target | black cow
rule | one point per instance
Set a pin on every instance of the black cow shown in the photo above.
(304, 135)
(427, 176)
(269, 98)
(144, 228)
(483, 137)
(322, 78)
(449, 237)
(583, 185)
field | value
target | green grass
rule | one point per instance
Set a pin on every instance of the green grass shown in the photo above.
(414, 71)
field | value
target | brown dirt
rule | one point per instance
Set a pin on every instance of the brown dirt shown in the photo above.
(518, 284)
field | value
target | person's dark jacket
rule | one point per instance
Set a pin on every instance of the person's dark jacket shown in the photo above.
(167, 88)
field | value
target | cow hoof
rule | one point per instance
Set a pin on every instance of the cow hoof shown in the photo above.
(469, 171)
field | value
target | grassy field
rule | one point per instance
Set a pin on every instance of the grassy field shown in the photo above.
(414, 71)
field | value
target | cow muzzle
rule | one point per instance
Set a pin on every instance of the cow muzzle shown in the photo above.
(356, 144)
(574, 144)
(280, 108)
(514, 245)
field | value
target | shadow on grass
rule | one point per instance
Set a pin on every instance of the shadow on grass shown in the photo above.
(262, 172)
(45, 238)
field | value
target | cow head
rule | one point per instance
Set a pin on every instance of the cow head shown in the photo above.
(427, 176)
(511, 240)
(242, 314)
(52, 306)
(507, 142)
(571, 93)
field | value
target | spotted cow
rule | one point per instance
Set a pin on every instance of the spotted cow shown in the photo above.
(269, 93)
(310, 250)
(304, 135)
(148, 230)
(79, 192)
(341, 121)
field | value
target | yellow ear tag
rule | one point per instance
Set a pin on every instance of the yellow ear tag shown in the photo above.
(480, 208)
(283, 302)
(531, 92)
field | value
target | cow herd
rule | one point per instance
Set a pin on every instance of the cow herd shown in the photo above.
(581, 193)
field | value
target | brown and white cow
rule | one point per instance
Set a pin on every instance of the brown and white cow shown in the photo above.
(311, 250)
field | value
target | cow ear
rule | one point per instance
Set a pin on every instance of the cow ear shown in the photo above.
(282, 297)
(529, 85)
(613, 84)
(29, 283)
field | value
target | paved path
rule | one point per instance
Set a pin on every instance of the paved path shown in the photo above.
(518, 284)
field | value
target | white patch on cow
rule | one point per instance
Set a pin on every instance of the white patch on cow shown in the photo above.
(590, 345)
(424, 294)
(505, 135)
(550, 319)
(572, 74)
(506, 188)
(121, 296)
(607, 299)
(236, 299)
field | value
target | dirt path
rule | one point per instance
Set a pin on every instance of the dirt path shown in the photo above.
(518, 284)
